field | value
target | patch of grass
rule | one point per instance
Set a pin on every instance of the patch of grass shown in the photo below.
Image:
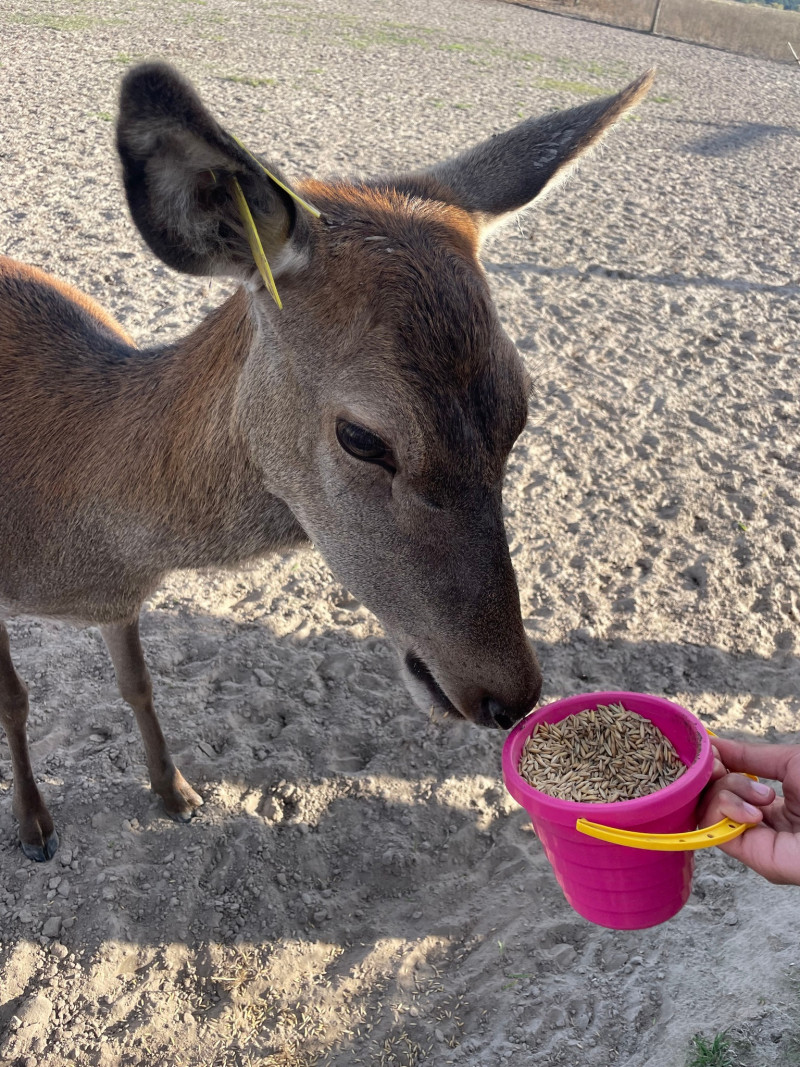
(124, 58)
(716, 1053)
(605, 70)
(574, 87)
(346, 20)
(792, 1049)
(599, 70)
(358, 33)
(515, 979)
(408, 26)
(106, 116)
(380, 36)
(491, 50)
(790, 1044)
(247, 79)
(661, 99)
(190, 20)
(64, 23)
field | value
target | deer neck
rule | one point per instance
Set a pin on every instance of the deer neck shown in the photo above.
(184, 466)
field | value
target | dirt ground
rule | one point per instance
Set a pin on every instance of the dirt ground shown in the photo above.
(359, 890)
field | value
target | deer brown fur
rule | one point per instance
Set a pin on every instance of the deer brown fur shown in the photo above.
(373, 415)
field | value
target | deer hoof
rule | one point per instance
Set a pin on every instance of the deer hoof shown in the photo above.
(182, 816)
(181, 801)
(179, 798)
(41, 853)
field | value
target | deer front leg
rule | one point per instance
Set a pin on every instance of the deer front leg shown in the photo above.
(37, 834)
(136, 687)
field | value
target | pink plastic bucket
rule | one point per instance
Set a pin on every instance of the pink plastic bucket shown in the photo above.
(613, 885)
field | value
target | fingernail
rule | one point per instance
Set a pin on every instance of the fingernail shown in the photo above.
(760, 789)
(750, 811)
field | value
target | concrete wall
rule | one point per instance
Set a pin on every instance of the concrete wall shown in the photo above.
(748, 28)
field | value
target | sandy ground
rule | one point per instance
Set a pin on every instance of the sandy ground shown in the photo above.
(358, 888)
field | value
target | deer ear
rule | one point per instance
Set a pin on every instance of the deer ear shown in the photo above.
(179, 167)
(505, 173)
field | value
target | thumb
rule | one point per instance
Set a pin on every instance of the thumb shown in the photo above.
(767, 761)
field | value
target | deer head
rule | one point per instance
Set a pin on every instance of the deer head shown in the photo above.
(382, 401)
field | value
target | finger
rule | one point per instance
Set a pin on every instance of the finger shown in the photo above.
(758, 793)
(767, 761)
(729, 805)
(749, 789)
(718, 769)
(776, 856)
(732, 805)
(721, 800)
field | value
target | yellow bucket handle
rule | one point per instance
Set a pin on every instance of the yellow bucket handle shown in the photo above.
(718, 834)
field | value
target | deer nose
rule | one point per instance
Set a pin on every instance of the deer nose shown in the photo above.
(497, 713)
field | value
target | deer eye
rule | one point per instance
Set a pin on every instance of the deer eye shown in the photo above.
(361, 443)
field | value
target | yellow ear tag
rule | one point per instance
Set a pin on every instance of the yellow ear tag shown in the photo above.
(246, 216)
(298, 199)
(254, 241)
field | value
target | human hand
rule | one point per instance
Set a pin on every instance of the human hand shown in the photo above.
(772, 846)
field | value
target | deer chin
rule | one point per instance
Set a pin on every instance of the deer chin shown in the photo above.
(424, 689)
(429, 695)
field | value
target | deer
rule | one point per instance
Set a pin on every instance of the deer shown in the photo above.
(369, 409)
